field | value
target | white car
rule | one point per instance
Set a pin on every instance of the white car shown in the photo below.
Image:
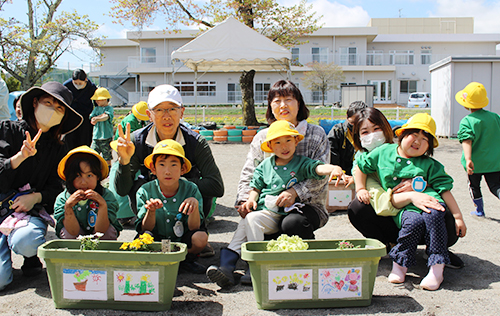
(419, 100)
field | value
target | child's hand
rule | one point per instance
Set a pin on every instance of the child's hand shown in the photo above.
(93, 121)
(470, 167)
(77, 196)
(337, 172)
(189, 206)
(363, 196)
(153, 204)
(348, 180)
(246, 208)
(460, 227)
(286, 198)
(94, 196)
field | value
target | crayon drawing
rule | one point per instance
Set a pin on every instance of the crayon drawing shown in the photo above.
(140, 286)
(340, 283)
(81, 284)
(290, 284)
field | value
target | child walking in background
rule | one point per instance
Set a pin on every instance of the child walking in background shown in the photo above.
(171, 207)
(137, 118)
(411, 158)
(85, 207)
(102, 119)
(478, 134)
(264, 209)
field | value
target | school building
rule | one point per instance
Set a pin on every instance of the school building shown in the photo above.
(393, 54)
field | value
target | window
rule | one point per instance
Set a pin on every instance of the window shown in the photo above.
(146, 87)
(319, 54)
(401, 57)
(204, 89)
(374, 57)
(407, 86)
(148, 55)
(233, 92)
(348, 56)
(295, 56)
(261, 90)
(425, 56)
(317, 96)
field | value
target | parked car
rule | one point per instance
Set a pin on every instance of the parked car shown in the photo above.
(419, 100)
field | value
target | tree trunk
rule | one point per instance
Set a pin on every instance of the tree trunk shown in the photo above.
(247, 102)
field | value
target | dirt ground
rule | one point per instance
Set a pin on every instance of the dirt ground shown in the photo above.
(472, 290)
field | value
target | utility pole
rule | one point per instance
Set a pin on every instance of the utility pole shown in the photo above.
(400, 12)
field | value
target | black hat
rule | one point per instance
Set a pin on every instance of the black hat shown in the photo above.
(62, 94)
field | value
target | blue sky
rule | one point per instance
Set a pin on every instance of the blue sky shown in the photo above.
(340, 13)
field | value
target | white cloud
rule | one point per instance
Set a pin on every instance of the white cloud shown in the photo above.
(334, 13)
(485, 13)
(338, 15)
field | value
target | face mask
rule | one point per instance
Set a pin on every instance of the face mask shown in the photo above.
(47, 116)
(372, 140)
(79, 86)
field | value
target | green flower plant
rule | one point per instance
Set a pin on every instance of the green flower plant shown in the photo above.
(89, 242)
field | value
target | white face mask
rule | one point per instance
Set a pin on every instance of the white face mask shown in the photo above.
(47, 116)
(372, 140)
(79, 86)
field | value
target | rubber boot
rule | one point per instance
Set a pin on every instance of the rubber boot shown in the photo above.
(247, 278)
(223, 275)
(479, 207)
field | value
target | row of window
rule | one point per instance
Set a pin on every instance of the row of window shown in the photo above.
(382, 91)
(348, 56)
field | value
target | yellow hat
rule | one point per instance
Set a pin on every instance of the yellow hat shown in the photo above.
(139, 111)
(114, 145)
(473, 96)
(86, 150)
(101, 94)
(278, 129)
(421, 121)
(167, 147)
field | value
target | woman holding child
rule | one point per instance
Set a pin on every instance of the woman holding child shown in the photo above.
(374, 220)
(30, 151)
(305, 200)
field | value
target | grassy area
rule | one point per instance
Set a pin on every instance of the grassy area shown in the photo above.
(233, 115)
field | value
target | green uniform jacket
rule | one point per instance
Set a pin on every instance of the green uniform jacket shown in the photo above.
(103, 129)
(82, 212)
(392, 168)
(166, 217)
(483, 128)
(135, 124)
(271, 179)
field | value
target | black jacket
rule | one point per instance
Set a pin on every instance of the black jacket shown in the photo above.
(341, 148)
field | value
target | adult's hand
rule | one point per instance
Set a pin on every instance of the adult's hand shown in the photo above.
(403, 186)
(424, 202)
(125, 147)
(286, 198)
(28, 149)
(25, 203)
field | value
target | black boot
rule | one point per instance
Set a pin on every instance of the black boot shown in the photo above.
(223, 275)
(190, 265)
(31, 266)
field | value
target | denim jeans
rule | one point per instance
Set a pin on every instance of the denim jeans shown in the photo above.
(23, 241)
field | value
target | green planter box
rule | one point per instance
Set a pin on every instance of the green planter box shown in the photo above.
(322, 276)
(110, 278)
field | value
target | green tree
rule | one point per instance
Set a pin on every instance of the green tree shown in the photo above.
(282, 24)
(12, 83)
(323, 77)
(30, 50)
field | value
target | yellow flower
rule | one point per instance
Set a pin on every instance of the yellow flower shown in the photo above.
(146, 239)
(136, 244)
(125, 245)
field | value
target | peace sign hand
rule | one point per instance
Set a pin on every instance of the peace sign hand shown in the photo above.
(29, 146)
(125, 146)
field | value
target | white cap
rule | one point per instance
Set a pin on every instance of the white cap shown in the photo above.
(164, 93)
